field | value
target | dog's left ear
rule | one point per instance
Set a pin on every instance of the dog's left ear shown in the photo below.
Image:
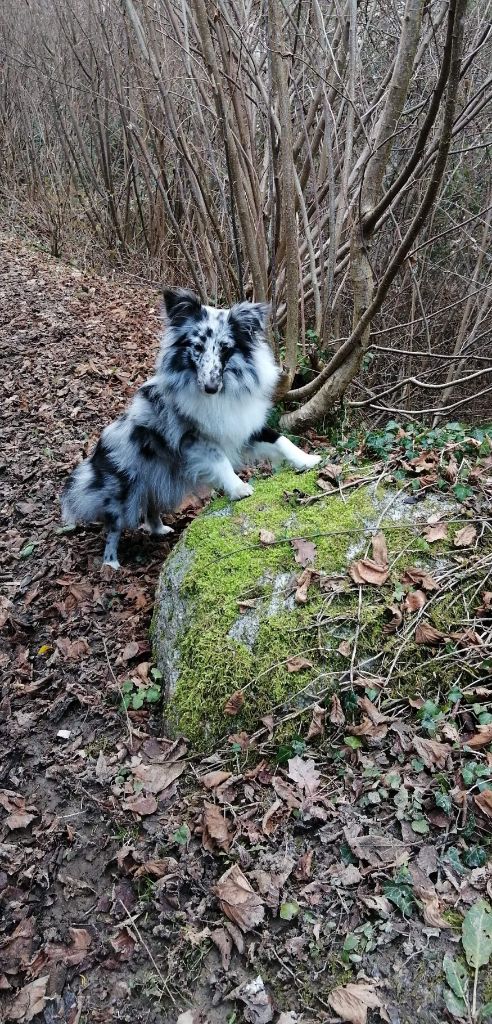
(181, 304)
(250, 316)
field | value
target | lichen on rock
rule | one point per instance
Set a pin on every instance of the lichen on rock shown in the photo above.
(207, 648)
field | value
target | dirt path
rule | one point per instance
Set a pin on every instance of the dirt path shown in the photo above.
(137, 880)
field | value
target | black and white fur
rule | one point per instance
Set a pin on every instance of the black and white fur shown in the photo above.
(195, 422)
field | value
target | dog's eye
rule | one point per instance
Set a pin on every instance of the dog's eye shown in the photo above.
(199, 348)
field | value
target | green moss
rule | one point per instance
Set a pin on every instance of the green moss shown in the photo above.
(221, 651)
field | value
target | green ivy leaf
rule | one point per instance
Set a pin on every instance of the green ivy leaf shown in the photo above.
(456, 977)
(443, 800)
(352, 741)
(420, 825)
(27, 550)
(182, 835)
(288, 911)
(485, 1012)
(475, 857)
(476, 934)
(453, 858)
(401, 895)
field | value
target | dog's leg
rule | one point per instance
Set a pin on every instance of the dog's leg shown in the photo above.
(269, 444)
(114, 526)
(152, 523)
(208, 464)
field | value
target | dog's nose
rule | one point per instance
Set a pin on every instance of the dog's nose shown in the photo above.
(211, 389)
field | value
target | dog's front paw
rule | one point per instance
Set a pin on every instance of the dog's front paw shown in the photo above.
(156, 529)
(308, 461)
(241, 490)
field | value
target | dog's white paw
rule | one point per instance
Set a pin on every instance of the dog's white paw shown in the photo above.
(241, 490)
(156, 529)
(112, 562)
(308, 461)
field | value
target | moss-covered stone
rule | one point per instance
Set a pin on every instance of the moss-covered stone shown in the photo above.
(207, 649)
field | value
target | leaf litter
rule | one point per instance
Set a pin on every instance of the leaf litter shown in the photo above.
(374, 816)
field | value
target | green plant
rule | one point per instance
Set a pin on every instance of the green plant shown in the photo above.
(136, 695)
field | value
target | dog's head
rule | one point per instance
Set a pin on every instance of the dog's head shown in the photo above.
(212, 347)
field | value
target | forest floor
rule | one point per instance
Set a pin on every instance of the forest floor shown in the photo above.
(322, 887)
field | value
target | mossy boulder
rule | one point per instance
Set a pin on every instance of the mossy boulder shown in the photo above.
(226, 618)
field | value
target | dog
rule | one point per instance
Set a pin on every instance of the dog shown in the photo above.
(195, 422)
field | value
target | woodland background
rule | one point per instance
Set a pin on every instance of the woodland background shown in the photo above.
(331, 157)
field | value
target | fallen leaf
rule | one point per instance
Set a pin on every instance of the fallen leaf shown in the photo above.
(304, 773)
(215, 832)
(376, 717)
(289, 1018)
(303, 584)
(30, 1001)
(213, 779)
(450, 471)
(482, 738)
(432, 913)
(238, 900)
(345, 648)
(425, 633)
(485, 609)
(257, 1003)
(369, 729)
(396, 618)
(368, 571)
(345, 875)
(157, 777)
(465, 537)
(223, 941)
(19, 819)
(378, 851)
(286, 792)
(432, 753)
(330, 472)
(140, 804)
(271, 819)
(305, 551)
(234, 703)
(351, 1002)
(337, 716)
(421, 577)
(435, 533)
(476, 934)
(317, 724)
(380, 549)
(483, 801)
(73, 650)
(298, 664)
(267, 537)
(414, 601)
(303, 868)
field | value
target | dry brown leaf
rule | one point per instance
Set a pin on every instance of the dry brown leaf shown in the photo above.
(247, 603)
(425, 633)
(450, 471)
(435, 533)
(482, 738)
(73, 650)
(351, 1002)
(157, 868)
(267, 537)
(368, 571)
(396, 618)
(367, 728)
(298, 664)
(377, 718)
(431, 752)
(380, 549)
(304, 866)
(330, 472)
(345, 648)
(213, 779)
(483, 801)
(130, 651)
(465, 537)
(304, 773)
(223, 941)
(317, 724)
(257, 1008)
(421, 577)
(414, 601)
(273, 816)
(234, 703)
(337, 716)
(303, 584)
(140, 804)
(157, 777)
(238, 900)
(485, 609)
(30, 1000)
(305, 551)
(286, 792)
(215, 830)
(19, 819)
(378, 851)
(432, 913)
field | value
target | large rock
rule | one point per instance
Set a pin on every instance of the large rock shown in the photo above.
(208, 644)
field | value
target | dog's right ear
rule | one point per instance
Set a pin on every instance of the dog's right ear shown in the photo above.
(180, 305)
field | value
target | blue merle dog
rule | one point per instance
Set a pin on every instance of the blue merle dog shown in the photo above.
(194, 423)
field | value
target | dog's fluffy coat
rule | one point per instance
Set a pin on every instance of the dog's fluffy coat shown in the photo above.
(195, 422)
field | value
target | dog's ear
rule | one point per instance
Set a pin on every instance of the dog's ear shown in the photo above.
(250, 317)
(180, 305)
